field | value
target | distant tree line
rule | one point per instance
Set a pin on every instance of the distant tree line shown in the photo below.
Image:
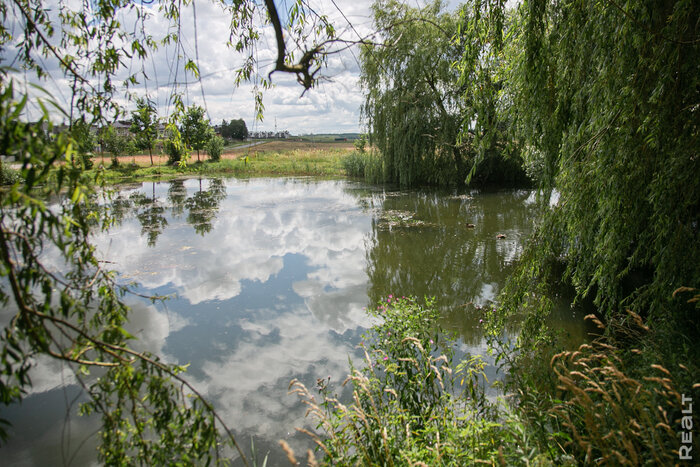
(190, 131)
(187, 131)
(235, 129)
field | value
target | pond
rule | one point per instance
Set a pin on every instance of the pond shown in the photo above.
(268, 280)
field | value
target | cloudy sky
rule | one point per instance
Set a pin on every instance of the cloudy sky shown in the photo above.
(332, 106)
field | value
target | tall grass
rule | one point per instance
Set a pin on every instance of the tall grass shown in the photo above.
(413, 404)
(365, 165)
(613, 401)
(613, 416)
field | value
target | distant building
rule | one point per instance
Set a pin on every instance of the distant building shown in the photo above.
(269, 135)
(122, 127)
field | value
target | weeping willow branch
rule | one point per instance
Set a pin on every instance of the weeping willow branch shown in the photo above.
(68, 66)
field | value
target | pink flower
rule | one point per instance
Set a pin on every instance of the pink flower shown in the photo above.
(388, 300)
(386, 358)
(481, 320)
(431, 341)
(391, 296)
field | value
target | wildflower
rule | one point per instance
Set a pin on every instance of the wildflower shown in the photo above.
(388, 300)
(391, 296)
(386, 358)
(481, 320)
(431, 341)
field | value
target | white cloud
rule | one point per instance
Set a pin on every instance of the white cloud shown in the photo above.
(258, 349)
(249, 381)
(260, 223)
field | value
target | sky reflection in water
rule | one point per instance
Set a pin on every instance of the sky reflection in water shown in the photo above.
(269, 278)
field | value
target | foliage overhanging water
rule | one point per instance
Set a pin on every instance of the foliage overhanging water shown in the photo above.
(269, 279)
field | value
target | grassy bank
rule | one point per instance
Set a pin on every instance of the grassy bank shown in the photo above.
(283, 164)
(272, 158)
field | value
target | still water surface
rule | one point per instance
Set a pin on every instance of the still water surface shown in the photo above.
(268, 280)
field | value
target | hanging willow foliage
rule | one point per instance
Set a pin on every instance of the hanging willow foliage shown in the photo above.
(607, 96)
(412, 101)
(433, 95)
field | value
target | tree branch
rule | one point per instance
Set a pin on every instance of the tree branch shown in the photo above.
(48, 44)
(305, 76)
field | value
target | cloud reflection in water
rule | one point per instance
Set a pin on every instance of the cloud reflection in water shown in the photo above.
(270, 277)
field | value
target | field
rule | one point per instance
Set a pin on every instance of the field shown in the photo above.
(282, 157)
(265, 148)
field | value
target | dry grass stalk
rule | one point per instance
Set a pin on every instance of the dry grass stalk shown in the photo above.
(612, 417)
(315, 438)
(311, 459)
(289, 452)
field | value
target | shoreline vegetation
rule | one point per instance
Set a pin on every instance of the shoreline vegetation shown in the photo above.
(322, 159)
(414, 402)
(596, 101)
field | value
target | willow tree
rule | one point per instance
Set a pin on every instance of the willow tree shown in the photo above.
(606, 102)
(72, 310)
(413, 103)
(433, 90)
(486, 29)
(608, 97)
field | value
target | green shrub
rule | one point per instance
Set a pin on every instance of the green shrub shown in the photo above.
(8, 176)
(410, 405)
(360, 143)
(175, 150)
(214, 147)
